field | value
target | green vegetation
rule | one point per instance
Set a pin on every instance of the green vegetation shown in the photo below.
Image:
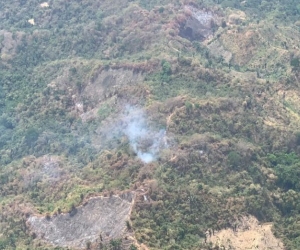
(287, 169)
(229, 104)
(282, 9)
(105, 111)
(234, 159)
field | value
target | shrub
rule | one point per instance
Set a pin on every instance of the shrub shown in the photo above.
(166, 71)
(288, 176)
(31, 136)
(295, 63)
(189, 107)
(234, 159)
(297, 138)
(161, 9)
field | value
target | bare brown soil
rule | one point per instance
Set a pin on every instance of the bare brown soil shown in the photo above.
(249, 234)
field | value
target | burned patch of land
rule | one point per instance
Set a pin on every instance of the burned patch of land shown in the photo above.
(99, 219)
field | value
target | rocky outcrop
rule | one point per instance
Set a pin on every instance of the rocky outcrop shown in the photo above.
(199, 25)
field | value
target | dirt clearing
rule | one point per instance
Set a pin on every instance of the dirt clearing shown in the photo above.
(249, 234)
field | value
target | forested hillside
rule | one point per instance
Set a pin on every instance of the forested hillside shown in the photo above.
(182, 116)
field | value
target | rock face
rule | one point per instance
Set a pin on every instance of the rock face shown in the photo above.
(199, 25)
(105, 216)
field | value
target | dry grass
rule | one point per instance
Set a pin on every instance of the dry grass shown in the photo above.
(248, 235)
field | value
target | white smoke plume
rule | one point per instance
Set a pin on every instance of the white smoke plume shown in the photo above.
(144, 140)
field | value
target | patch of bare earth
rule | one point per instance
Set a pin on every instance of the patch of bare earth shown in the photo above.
(44, 5)
(103, 84)
(249, 234)
(111, 83)
(100, 219)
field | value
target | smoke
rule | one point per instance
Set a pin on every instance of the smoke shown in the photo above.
(145, 140)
